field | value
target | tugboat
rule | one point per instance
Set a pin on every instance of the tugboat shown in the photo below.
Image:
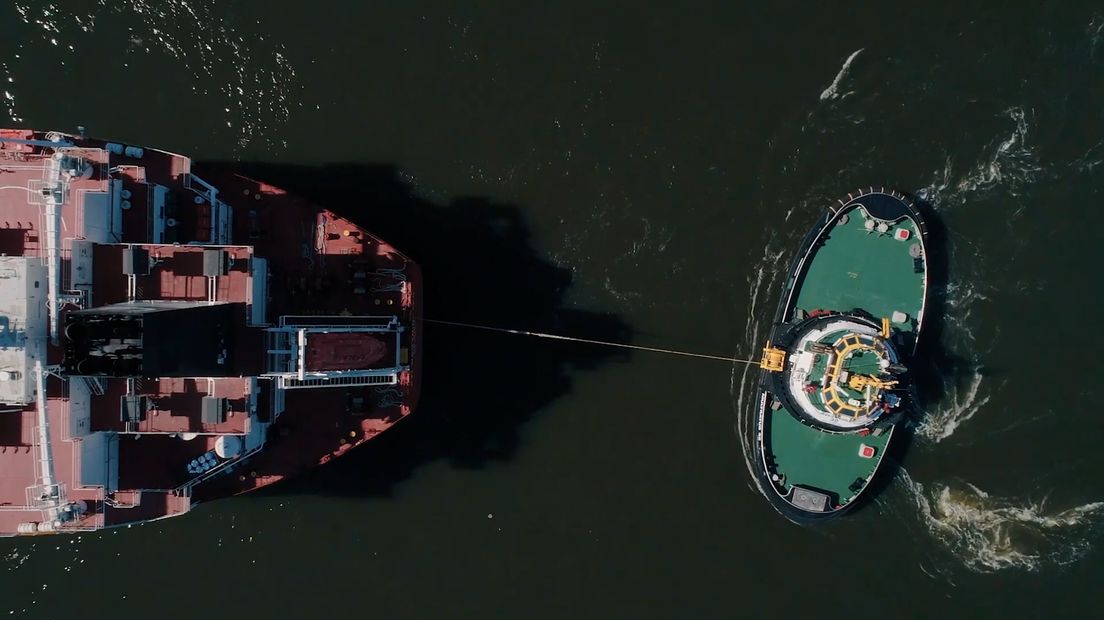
(834, 376)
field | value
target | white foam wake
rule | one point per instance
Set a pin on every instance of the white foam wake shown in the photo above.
(962, 298)
(1095, 32)
(942, 180)
(966, 392)
(832, 92)
(741, 383)
(1090, 160)
(942, 422)
(1011, 163)
(989, 534)
(1008, 163)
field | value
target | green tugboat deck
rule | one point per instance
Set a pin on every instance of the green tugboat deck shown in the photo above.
(835, 375)
(858, 268)
(822, 461)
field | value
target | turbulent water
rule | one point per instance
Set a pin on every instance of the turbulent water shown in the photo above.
(992, 533)
(614, 173)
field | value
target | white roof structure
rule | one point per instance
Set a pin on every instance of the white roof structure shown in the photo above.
(22, 326)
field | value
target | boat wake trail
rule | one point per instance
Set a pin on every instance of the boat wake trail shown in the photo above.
(965, 389)
(832, 92)
(1009, 163)
(1012, 162)
(961, 406)
(1006, 165)
(1095, 32)
(742, 382)
(989, 534)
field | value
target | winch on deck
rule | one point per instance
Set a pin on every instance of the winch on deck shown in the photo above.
(774, 359)
(836, 373)
(861, 382)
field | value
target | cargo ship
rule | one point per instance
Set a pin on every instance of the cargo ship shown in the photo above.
(834, 379)
(168, 339)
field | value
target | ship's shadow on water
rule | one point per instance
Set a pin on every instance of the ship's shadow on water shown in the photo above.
(479, 387)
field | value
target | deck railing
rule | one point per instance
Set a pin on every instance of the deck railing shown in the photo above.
(220, 211)
(222, 468)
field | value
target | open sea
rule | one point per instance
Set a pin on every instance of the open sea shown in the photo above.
(639, 172)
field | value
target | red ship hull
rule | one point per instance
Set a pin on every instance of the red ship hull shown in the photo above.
(332, 427)
(201, 338)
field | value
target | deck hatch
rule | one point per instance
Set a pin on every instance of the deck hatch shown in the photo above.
(216, 262)
(214, 410)
(808, 499)
(133, 407)
(136, 261)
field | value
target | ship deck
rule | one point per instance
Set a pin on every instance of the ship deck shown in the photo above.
(825, 461)
(857, 268)
(127, 442)
(871, 260)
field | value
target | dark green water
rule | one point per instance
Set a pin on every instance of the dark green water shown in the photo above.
(624, 171)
